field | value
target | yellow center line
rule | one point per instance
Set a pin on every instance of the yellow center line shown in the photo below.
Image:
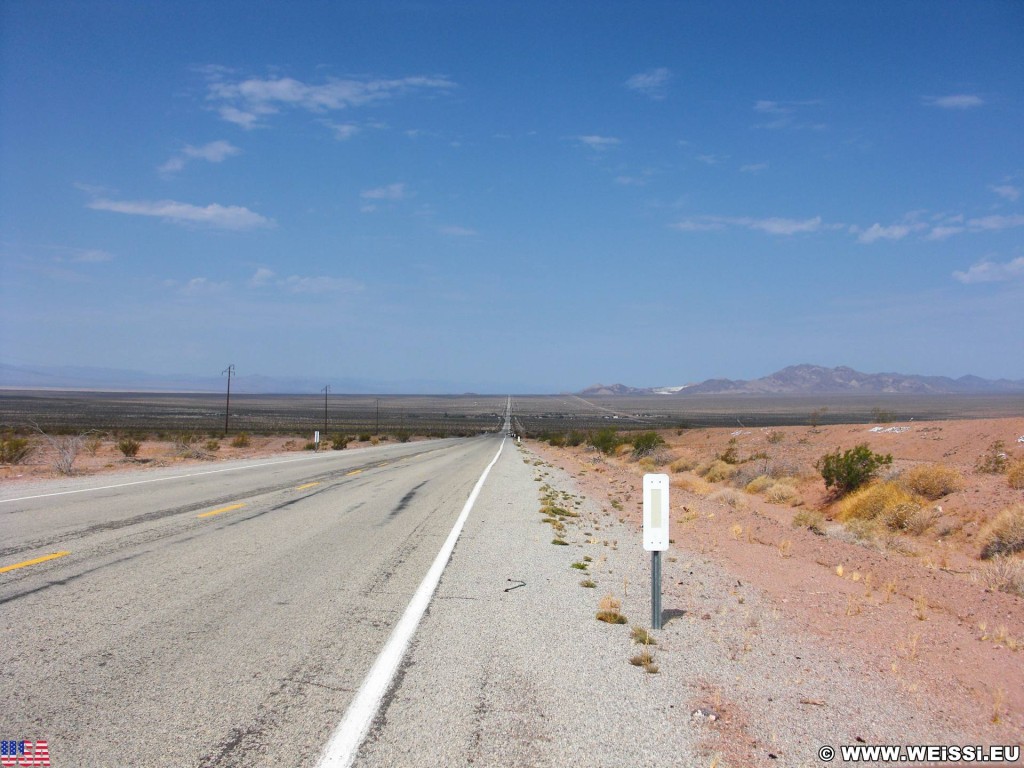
(213, 512)
(307, 485)
(353, 472)
(42, 559)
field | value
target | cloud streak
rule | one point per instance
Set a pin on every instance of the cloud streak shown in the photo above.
(992, 272)
(214, 152)
(771, 225)
(217, 216)
(598, 143)
(653, 83)
(247, 103)
(955, 101)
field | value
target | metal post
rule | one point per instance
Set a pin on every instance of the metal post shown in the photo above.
(325, 391)
(376, 429)
(230, 370)
(655, 590)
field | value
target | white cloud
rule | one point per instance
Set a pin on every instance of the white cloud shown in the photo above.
(956, 101)
(771, 225)
(246, 102)
(261, 277)
(344, 131)
(1007, 191)
(992, 272)
(389, 192)
(214, 152)
(892, 232)
(942, 232)
(653, 84)
(301, 284)
(214, 215)
(990, 223)
(754, 168)
(598, 142)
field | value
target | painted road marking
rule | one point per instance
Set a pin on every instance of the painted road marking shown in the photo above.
(353, 472)
(348, 736)
(307, 485)
(42, 559)
(213, 512)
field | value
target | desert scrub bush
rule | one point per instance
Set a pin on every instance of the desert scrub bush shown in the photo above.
(775, 437)
(730, 496)
(14, 450)
(1015, 475)
(129, 447)
(608, 608)
(759, 484)
(364, 437)
(994, 461)
(556, 439)
(646, 443)
(241, 440)
(684, 463)
(933, 481)
(783, 493)
(688, 481)
(811, 520)
(93, 445)
(605, 440)
(849, 470)
(716, 471)
(212, 445)
(1005, 574)
(1005, 534)
(339, 442)
(730, 455)
(575, 438)
(876, 502)
(403, 435)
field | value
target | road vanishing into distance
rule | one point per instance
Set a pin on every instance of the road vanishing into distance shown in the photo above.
(219, 615)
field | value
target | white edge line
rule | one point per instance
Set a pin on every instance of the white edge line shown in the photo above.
(344, 743)
(163, 479)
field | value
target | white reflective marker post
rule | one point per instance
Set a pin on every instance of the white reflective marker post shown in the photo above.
(656, 532)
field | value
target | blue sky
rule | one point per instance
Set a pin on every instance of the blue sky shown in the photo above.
(528, 196)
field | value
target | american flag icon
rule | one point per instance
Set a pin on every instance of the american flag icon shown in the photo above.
(24, 754)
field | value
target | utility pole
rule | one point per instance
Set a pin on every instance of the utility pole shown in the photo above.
(230, 371)
(325, 390)
(376, 429)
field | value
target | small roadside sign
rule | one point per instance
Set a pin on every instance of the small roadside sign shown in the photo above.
(656, 516)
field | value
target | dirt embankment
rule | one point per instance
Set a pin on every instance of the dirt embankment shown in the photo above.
(912, 605)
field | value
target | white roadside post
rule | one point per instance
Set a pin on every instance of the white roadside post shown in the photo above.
(656, 531)
(316, 439)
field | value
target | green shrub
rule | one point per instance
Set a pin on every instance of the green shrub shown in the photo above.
(128, 446)
(14, 450)
(364, 437)
(646, 443)
(994, 460)
(556, 439)
(241, 440)
(212, 445)
(730, 455)
(338, 442)
(605, 440)
(575, 438)
(403, 435)
(850, 469)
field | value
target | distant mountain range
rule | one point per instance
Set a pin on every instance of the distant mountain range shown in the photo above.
(814, 379)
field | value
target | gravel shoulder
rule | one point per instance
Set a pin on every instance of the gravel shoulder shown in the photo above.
(504, 674)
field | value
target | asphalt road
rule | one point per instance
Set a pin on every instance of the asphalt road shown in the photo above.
(222, 615)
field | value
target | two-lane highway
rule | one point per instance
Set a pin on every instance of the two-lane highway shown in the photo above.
(220, 616)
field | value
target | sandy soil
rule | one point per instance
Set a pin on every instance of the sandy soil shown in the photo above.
(153, 453)
(914, 608)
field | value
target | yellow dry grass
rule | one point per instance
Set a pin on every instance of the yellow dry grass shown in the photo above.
(876, 501)
(933, 481)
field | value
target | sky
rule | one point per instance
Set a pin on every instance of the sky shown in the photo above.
(513, 196)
